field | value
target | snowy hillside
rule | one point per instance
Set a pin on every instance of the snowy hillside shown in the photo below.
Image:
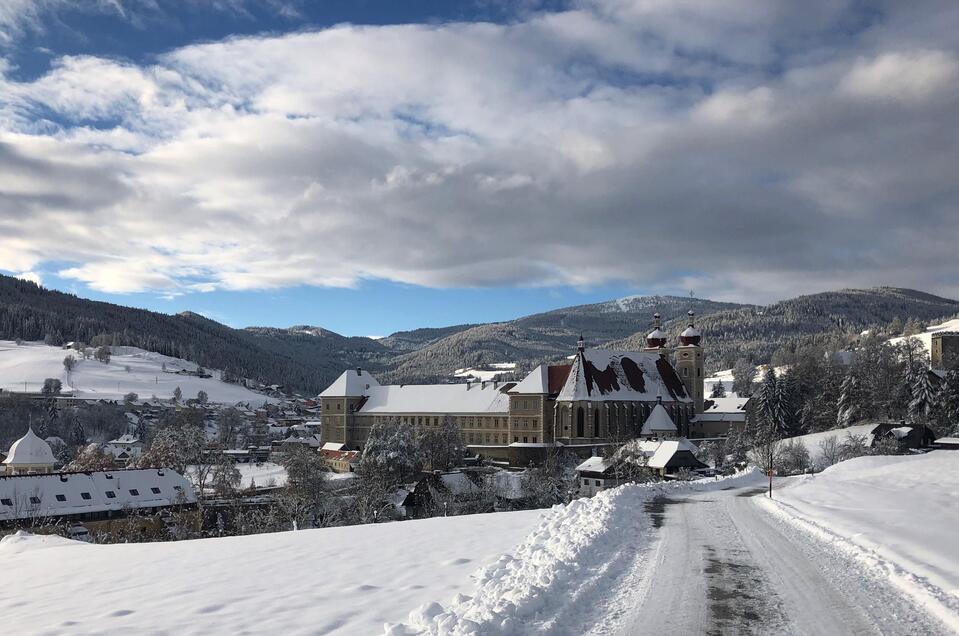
(813, 441)
(24, 368)
(346, 580)
(926, 337)
(898, 513)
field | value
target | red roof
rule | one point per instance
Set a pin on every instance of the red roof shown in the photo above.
(557, 377)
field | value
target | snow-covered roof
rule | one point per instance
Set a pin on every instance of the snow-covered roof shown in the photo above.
(486, 397)
(727, 405)
(595, 464)
(30, 450)
(901, 431)
(658, 421)
(125, 440)
(31, 496)
(600, 375)
(332, 446)
(536, 382)
(352, 383)
(666, 451)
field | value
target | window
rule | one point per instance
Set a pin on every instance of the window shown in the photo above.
(339, 407)
(61, 497)
(685, 371)
(515, 438)
(134, 492)
(6, 502)
(35, 501)
(580, 422)
(155, 490)
(525, 440)
(534, 439)
(178, 488)
(85, 496)
(596, 423)
(110, 494)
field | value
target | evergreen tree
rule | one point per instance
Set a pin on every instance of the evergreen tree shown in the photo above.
(924, 398)
(743, 374)
(949, 402)
(849, 401)
(78, 435)
(719, 390)
(177, 394)
(767, 398)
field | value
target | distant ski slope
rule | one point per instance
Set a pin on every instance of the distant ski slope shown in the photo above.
(24, 368)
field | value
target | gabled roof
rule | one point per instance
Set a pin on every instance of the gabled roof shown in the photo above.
(37, 495)
(351, 383)
(536, 382)
(598, 375)
(476, 397)
(667, 450)
(658, 421)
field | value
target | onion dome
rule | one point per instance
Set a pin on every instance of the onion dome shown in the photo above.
(30, 450)
(657, 338)
(690, 335)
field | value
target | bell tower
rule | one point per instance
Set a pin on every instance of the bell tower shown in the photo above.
(691, 363)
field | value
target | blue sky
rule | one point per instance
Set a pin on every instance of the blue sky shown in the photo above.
(371, 166)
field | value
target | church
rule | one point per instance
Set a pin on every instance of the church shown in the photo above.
(597, 398)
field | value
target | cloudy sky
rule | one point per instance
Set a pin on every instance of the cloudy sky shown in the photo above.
(376, 165)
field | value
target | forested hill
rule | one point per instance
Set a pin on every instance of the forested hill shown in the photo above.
(541, 337)
(829, 320)
(30, 312)
(307, 359)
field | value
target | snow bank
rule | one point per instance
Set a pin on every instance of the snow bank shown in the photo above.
(526, 592)
(25, 367)
(346, 580)
(896, 514)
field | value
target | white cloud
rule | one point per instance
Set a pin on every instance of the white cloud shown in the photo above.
(33, 277)
(654, 143)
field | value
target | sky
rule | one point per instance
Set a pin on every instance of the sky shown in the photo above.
(371, 165)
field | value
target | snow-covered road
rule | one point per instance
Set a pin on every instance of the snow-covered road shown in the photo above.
(720, 564)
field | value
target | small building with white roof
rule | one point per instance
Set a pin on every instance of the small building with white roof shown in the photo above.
(29, 455)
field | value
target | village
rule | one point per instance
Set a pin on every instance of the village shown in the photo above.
(361, 452)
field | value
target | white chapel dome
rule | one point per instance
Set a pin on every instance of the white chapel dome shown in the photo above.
(30, 450)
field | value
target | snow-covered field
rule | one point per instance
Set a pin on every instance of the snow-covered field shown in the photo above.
(812, 441)
(897, 514)
(348, 580)
(486, 375)
(926, 337)
(25, 367)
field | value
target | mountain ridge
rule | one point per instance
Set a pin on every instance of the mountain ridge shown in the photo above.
(307, 358)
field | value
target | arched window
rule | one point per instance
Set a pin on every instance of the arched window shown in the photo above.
(596, 423)
(580, 422)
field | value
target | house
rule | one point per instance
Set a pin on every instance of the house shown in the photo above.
(340, 461)
(29, 455)
(447, 493)
(719, 417)
(125, 449)
(40, 498)
(596, 474)
(911, 436)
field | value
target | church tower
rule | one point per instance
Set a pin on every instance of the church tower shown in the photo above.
(656, 339)
(691, 362)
